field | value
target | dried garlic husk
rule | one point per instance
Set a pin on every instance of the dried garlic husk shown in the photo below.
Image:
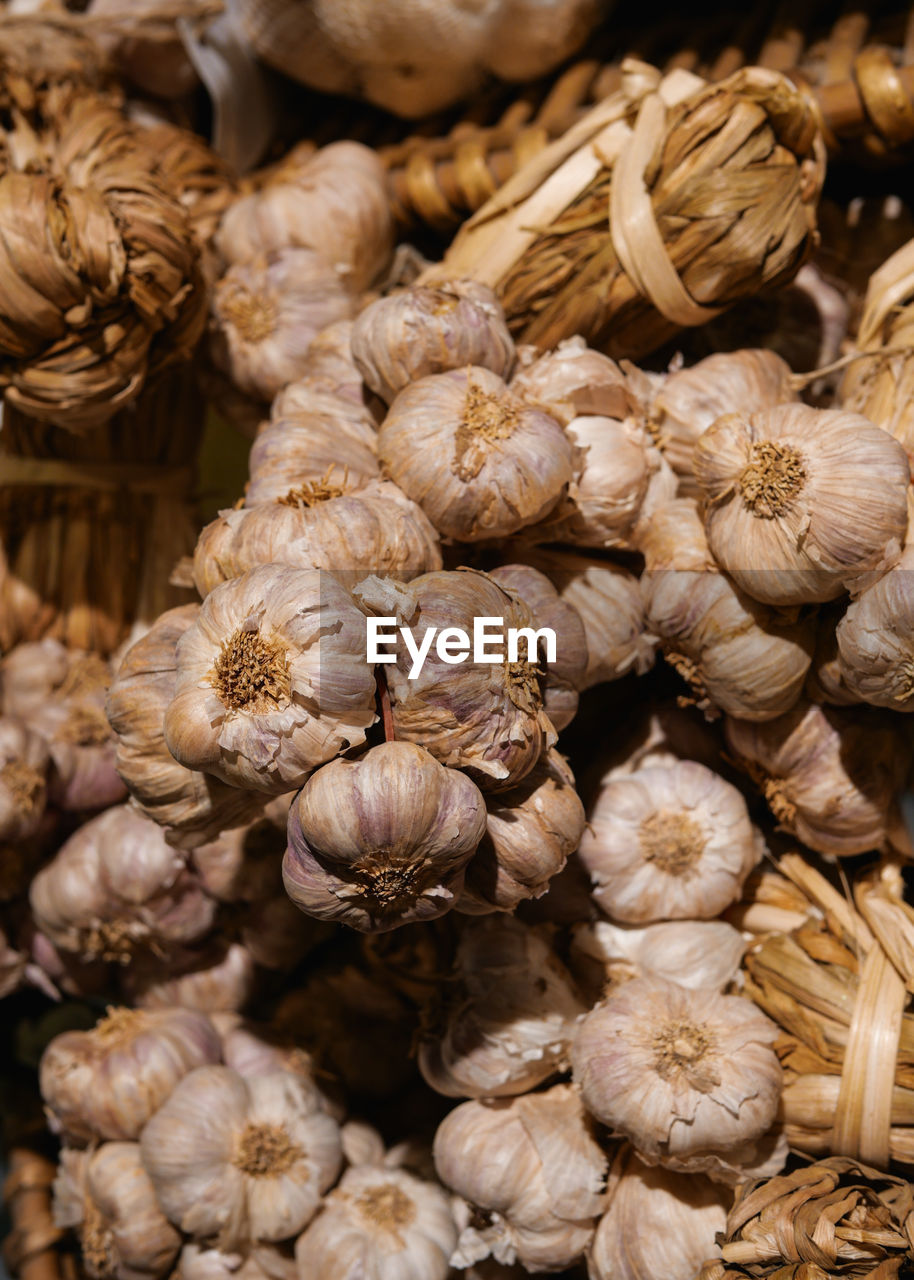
(800, 502)
(333, 201)
(106, 1083)
(107, 1196)
(684, 1075)
(115, 887)
(422, 330)
(531, 830)
(508, 1021)
(379, 1224)
(690, 400)
(669, 843)
(532, 1173)
(241, 1160)
(574, 381)
(267, 311)
(693, 953)
(24, 763)
(486, 718)
(271, 679)
(830, 775)
(657, 1223)
(479, 462)
(382, 840)
(875, 640)
(219, 977)
(738, 655)
(262, 1262)
(192, 807)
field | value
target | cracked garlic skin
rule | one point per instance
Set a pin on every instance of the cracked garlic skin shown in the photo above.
(239, 1160)
(271, 680)
(478, 461)
(24, 763)
(424, 330)
(379, 1224)
(509, 1017)
(107, 1196)
(107, 1082)
(800, 502)
(682, 1074)
(532, 1173)
(875, 640)
(382, 840)
(669, 842)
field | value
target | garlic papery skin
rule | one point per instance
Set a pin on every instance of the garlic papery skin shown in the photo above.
(329, 364)
(290, 453)
(682, 1074)
(24, 763)
(830, 775)
(241, 1160)
(219, 977)
(424, 330)
(574, 381)
(876, 640)
(254, 1050)
(478, 461)
(302, 403)
(326, 524)
(690, 400)
(669, 843)
(382, 840)
(271, 679)
(657, 1223)
(739, 656)
(262, 1262)
(266, 312)
(799, 502)
(531, 830)
(698, 954)
(486, 718)
(509, 1018)
(107, 1196)
(115, 887)
(533, 1173)
(107, 1082)
(379, 1224)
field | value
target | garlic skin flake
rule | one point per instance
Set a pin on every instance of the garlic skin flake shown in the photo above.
(876, 640)
(669, 842)
(271, 680)
(379, 1224)
(241, 1160)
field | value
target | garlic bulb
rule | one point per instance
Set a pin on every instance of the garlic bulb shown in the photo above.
(107, 1196)
(254, 1050)
(825, 681)
(530, 832)
(682, 1074)
(533, 1174)
(423, 330)
(830, 775)
(24, 762)
(657, 1223)
(690, 400)
(479, 462)
(692, 953)
(267, 311)
(738, 655)
(262, 1262)
(301, 402)
(574, 381)
(669, 843)
(382, 840)
(242, 865)
(292, 453)
(115, 887)
(379, 1224)
(327, 524)
(875, 640)
(509, 1017)
(241, 1160)
(218, 977)
(329, 363)
(800, 502)
(271, 679)
(333, 201)
(106, 1083)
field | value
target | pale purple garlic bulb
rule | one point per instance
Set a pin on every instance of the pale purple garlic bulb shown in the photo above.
(874, 640)
(574, 381)
(272, 680)
(218, 977)
(319, 447)
(382, 840)
(24, 764)
(329, 363)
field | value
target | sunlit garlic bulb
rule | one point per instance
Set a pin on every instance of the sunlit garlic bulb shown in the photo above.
(241, 1160)
(382, 840)
(429, 329)
(508, 1019)
(532, 1174)
(876, 640)
(24, 762)
(271, 679)
(682, 1074)
(479, 462)
(669, 843)
(800, 502)
(107, 1197)
(379, 1224)
(107, 1082)
(693, 953)
(574, 381)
